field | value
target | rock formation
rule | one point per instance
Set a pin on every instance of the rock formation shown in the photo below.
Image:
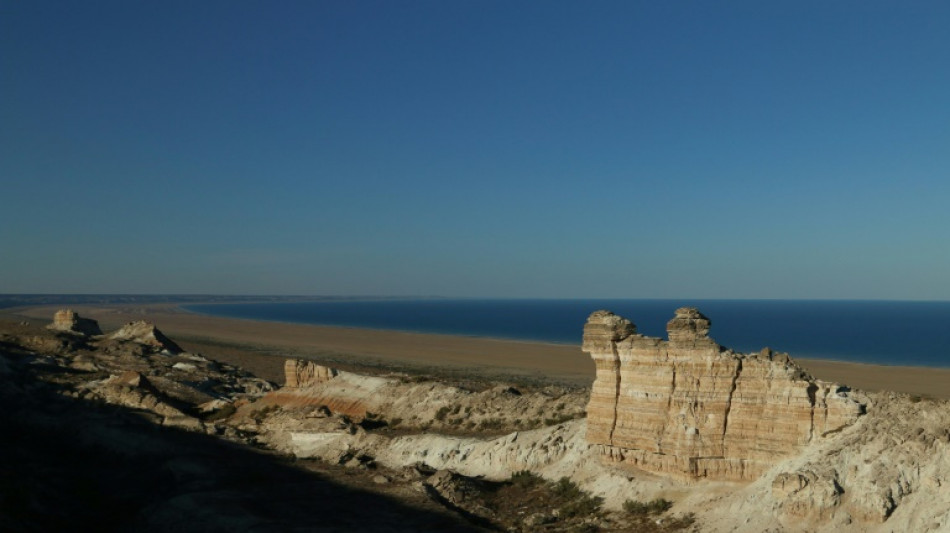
(425, 403)
(693, 409)
(146, 334)
(667, 406)
(301, 373)
(67, 320)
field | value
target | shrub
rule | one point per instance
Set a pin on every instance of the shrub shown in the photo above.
(260, 414)
(491, 423)
(682, 522)
(440, 414)
(557, 420)
(656, 506)
(585, 505)
(221, 413)
(565, 488)
(525, 479)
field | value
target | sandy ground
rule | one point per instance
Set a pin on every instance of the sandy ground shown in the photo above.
(261, 347)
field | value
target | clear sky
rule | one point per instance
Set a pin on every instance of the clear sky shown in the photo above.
(779, 149)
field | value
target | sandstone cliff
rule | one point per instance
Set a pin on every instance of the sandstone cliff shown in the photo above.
(299, 373)
(690, 408)
(68, 321)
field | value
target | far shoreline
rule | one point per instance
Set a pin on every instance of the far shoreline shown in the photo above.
(274, 341)
(370, 331)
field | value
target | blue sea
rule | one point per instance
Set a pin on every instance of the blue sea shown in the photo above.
(882, 332)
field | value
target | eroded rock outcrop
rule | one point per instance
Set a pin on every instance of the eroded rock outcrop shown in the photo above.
(419, 403)
(690, 408)
(69, 321)
(301, 373)
(146, 334)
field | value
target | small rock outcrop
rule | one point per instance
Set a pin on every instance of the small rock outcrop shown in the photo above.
(69, 321)
(301, 373)
(690, 408)
(146, 334)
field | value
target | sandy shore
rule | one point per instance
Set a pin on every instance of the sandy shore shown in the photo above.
(263, 346)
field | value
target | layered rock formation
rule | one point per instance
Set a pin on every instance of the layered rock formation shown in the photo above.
(693, 409)
(68, 321)
(421, 403)
(301, 373)
(887, 471)
(146, 334)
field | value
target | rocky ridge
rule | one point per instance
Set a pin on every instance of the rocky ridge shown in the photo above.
(836, 467)
(114, 433)
(408, 403)
(146, 334)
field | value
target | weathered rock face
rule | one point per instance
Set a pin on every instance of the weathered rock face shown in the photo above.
(69, 321)
(418, 403)
(146, 334)
(691, 408)
(300, 373)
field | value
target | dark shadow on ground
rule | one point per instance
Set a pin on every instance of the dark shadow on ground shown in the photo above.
(73, 465)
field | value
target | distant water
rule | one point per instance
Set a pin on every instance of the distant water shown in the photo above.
(883, 332)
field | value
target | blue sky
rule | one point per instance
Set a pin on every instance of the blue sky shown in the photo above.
(490, 149)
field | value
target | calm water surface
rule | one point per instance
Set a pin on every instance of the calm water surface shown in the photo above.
(885, 332)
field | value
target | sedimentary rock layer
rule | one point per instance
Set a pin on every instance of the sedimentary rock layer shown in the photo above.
(69, 321)
(300, 373)
(146, 334)
(691, 408)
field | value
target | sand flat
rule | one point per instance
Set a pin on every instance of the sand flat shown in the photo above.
(487, 356)
(272, 342)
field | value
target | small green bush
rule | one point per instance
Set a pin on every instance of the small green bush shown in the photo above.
(585, 505)
(656, 506)
(525, 479)
(565, 488)
(440, 414)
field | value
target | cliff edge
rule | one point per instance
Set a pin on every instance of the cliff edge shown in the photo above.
(690, 408)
